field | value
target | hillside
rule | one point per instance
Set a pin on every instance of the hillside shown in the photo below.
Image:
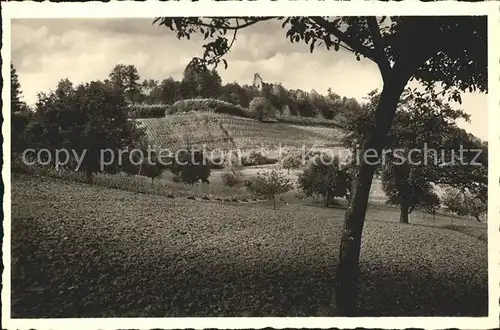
(221, 131)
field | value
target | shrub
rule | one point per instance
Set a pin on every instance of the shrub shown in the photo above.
(262, 109)
(453, 199)
(217, 163)
(464, 203)
(431, 203)
(204, 105)
(191, 166)
(137, 111)
(325, 177)
(153, 167)
(475, 207)
(231, 179)
(309, 121)
(269, 185)
(292, 159)
(255, 158)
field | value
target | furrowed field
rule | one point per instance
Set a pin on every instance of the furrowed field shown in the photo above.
(88, 251)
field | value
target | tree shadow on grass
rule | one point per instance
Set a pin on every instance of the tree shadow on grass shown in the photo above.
(89, 278)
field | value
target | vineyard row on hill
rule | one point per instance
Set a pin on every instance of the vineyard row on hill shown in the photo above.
(225, 132)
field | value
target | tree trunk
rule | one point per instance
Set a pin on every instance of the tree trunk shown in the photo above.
(88, 176)
(328, 198)
(350, 244)
(274, 202)
(403, 217)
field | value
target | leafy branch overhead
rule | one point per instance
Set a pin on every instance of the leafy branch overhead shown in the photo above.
(422, 48)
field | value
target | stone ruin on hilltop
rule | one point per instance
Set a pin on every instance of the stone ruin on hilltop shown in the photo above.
(259, 83)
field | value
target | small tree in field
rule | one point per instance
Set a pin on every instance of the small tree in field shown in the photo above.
(431, 203)
(453, 199)
(190, 166)
(269, 185)
(406, 187)
(476, 207)
(464, 203)
(153, 166)
(231, 179)
(291, 160)
(256, 158)
(325, 177)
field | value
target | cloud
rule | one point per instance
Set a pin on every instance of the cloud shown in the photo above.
(47, 50)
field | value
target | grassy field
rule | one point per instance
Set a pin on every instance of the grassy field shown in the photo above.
(88, 251)
(220, 131)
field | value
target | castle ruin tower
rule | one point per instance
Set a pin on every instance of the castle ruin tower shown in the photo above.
(258, 82)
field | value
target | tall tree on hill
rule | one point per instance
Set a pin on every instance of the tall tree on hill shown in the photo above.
(147, 88)
(16, 94)
(236, 94)
(20, 113)
(450, 50)
(199, 81)
(126, 79)
(167, 92)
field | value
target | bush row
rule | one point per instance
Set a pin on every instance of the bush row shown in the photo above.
(137, 111)
(135, 183)
(308, 121)
(203, 105)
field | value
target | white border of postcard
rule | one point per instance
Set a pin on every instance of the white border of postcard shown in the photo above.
(265, 8)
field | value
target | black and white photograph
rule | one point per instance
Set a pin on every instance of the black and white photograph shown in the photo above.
(174, 167)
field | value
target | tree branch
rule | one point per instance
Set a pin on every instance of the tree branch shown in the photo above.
(238, 26)
(379, 48)
(356, 45)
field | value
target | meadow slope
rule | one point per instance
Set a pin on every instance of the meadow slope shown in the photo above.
(87, 251)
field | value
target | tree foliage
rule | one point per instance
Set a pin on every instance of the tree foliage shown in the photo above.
(231, 179)
(16, 102)
(269, 185)
(200, 82)
(464, 203)
(21, 115)
(262, 109)
(153, 165)
(190, 166)
(406, 187)
(126, 79)
(424, 143)
(326, 176)
(292, 160)
(88, 118)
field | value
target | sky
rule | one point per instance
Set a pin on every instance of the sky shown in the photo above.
(45, 51)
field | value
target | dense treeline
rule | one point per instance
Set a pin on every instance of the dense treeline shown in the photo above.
(199, 82)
